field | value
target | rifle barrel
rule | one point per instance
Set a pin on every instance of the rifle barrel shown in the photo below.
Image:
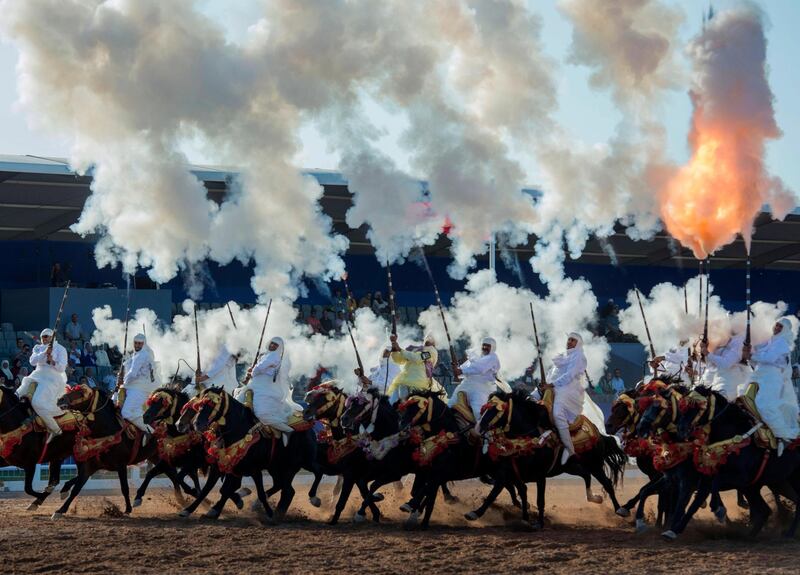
(196, 337)
(441, 313)
(538, 347)
(646, 328)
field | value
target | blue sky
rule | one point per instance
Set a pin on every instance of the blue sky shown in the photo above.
(589, 115)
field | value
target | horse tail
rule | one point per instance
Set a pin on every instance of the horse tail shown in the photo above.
(614, 458)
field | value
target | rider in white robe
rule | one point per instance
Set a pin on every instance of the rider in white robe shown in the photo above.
(139, 382)
(480, 377)
(674, 362)
(272, 393)
(382, 375)
(221, 373)
(569, 387)
(50, 378)
(724, 370)
(776, 400)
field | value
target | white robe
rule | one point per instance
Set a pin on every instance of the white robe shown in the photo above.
(221, 373)
(51, 381)
(139, 382)
(272, 395)
(479, 381)
(566, 376)
(378, 374)
(674, 364)
(776, 404)
(724, 371)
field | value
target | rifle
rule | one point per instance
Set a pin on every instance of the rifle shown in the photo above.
(538, 348)
(349, 296)
(121, 374)
(746, 343)
(393, 312)
(708, 283)
(233, 321)
(646, 328)
(197, 340)
(260, 341)
(350, 330)
(58, 321)
(441, 313)
(685, 300)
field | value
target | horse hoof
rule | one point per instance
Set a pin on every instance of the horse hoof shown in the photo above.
(743, 504)
(721, 513)
(406, 508)
(137, 502)
(376, 497)
(594, 498)
(332, 521)
(33, 506)
(536, 526)
(57, 515)
(516, 503)
(315, 501)
(623, 512)
(412, 522)
(669, 535)
(358, 518)
(184, 513)
(641, 526)
(50, 488)
(243, 492)
(238, 503)
(211, 514)
(471, 516)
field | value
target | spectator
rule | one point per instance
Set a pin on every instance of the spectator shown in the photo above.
(73, 330)
(366, 301)
(327, 320)
(379, 306)
(18, 348)
(617, 383)
(74, 355)
(101, 358)
(110, 382)
(83, 380)
(603, 386)
(88, 357)
(339, 303)
(23, 373)
(16, 367)
(24, 356)
(89, 375)
(6, 382)
(114, 355)
(313, 322)
(338, 323)
(5, 369)
(56, 275)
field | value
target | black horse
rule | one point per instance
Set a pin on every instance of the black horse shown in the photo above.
(28, 448)
(530, 419)
(176, 450)
(103, 422)
(237, 430)
(747, 468)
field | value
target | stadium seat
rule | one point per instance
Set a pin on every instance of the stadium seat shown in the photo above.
(5, 326)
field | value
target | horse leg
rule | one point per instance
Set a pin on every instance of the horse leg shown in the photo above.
(366, 501)
(80, 481)
(703, 490)
(487, 502)
(759, 510)
(258, 479)
(416, 486)
(449, 497)
(599, 474)
(679, 510)
(287, 494)
(430, 501)
(68, 485)
(541, 485)
(344, 495)
(52, 483)
(211, 481)
(122, 473)
(229, 485)
(312, 493)
(522, 489)
(30, 471)
(373, 496)
(646, 491)
(157, 469)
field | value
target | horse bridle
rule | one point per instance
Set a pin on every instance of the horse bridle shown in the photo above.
(425, 405)
(371, 404)
(503, 408)
(220, 402)
(171, 400)
(331, 398)
(95, 397)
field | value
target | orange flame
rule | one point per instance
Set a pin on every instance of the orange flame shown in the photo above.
(713, 198)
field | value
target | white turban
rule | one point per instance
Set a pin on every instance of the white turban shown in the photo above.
(786, 331)
(577, 337)
(491, 343)
(139, 337)
(46, 332)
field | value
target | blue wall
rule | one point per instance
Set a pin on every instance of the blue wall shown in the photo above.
(26, 264)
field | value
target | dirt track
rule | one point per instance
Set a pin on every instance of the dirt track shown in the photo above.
(581, 538)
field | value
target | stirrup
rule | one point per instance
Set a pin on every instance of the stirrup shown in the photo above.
(781, 447)
(51, 436)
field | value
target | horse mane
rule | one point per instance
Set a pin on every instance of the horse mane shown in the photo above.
(176, 393)
(429, 393)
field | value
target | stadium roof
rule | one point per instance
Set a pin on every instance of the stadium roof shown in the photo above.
(40, 197)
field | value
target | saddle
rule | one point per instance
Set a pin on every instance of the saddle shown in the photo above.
(763, 438)
(583, 432)
(298, 423)
(68, 421)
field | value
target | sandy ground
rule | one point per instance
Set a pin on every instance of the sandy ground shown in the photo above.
(580, 538)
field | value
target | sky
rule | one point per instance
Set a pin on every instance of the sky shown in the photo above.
(588, 114)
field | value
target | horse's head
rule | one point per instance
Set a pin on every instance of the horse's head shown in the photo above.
(212, 407)
(512, 412)
(163, 405)
(623, 412)
(360, 409)
(77, 398)
(187, 414)
(325, 401)
(424, 409)
(695, 408)
(657, 411)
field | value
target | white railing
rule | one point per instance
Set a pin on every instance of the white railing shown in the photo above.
(13, 478)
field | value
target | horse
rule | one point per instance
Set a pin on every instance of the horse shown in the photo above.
(518, 417)
(176, 450)
(242, 445)
(727, 453)
(23, 443)
(105, 441)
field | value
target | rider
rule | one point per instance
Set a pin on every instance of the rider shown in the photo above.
(566, 377)
(270, 389)
(776, 400)
(222, 373)
(50, 360)
(416, 368)
(675, 363)
(138, 383)
(480, 379)
(725, 371)
(383, 374)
